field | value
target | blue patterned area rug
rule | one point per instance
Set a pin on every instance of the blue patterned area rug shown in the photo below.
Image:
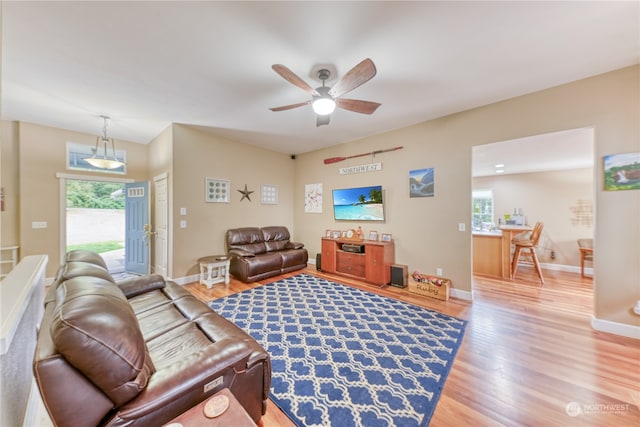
(344, 357)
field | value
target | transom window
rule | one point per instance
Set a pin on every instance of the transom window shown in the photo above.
(77, 153)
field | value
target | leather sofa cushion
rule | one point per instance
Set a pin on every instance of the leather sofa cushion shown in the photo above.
(249, 239)
(96, 331)
(81, 268)
(275, 237)
(85, 256)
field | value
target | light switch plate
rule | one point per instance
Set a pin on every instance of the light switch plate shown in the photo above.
(461, 226)
(183, 211)
(183, 223)
(39, 224)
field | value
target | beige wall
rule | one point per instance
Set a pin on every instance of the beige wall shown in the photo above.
(42, 152)
(198, 155)
(9, 181)
(547, 197)
(425, 229)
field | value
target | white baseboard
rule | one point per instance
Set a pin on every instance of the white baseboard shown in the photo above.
(186, 280)
(568, 268)
(460, 294)
(616, 328)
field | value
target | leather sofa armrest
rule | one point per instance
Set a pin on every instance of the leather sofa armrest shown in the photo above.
(220, 360)
(294, 245)
(241, 253)
(139, 285)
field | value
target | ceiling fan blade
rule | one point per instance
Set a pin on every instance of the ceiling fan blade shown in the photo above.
(292, 78)
(357, 106)
(323, 120)
(289, 107)
(358, 75)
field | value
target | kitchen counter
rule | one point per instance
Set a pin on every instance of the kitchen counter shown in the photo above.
(487, 233)
(487, 253)
(492, 250)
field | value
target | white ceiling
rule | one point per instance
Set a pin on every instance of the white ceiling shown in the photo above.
(148, 64)
(569, 149)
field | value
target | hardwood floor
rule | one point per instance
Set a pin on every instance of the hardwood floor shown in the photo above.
(529, 356)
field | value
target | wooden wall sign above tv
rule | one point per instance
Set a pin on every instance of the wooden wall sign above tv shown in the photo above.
(371, 167)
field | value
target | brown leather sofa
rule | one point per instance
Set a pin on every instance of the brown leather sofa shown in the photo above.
(259, 253)
(138, 352)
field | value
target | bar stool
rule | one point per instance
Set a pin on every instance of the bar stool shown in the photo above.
(528, 248)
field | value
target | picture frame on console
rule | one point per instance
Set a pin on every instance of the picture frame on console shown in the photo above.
(373, 235)
(328, 234)
(385, 237)
(336, 234)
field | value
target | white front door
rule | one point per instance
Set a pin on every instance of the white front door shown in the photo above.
(161, 249)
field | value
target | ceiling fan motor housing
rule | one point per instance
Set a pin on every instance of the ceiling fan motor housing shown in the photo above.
(324, 74)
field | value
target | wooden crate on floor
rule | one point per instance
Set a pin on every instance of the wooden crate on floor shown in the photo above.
(430, 286)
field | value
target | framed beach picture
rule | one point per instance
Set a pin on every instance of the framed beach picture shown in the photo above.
(385, 237)
(373, 235)
(622, 172)
(336, 234)
(421, 182)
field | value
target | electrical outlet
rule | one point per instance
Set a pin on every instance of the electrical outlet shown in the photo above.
(438, 271)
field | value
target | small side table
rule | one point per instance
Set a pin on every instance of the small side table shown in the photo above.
(235, 415)
(214, 269)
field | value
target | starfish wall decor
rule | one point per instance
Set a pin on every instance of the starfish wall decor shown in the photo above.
(245, 193)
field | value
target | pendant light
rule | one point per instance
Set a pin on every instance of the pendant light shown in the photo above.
(100, 158)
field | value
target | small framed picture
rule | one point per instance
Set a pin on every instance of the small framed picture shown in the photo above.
(336, 234)
(328, 233)
(217, 190)
(373, 235)
(385, 237)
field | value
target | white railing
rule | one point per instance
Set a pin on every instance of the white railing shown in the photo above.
(21, 310)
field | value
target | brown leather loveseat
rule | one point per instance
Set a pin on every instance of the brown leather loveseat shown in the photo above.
(138, 352)
(259, 253)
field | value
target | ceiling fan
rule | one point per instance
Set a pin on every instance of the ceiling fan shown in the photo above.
(325, 99)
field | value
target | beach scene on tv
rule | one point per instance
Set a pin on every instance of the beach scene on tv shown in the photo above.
(358, 204)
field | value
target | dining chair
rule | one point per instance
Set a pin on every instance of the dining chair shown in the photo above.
(527, 247)
(586, 252)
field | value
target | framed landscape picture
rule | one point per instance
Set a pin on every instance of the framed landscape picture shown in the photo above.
(622, 172)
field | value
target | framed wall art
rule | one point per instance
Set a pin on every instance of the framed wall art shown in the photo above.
(622, 172)
(421, 183)
(313, 198)
(217, 190)
(269, 194)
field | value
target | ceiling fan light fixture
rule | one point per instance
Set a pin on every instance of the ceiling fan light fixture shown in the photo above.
(100, 158)
(323, 106)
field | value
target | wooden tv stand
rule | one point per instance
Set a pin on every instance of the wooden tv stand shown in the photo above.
(373, 265)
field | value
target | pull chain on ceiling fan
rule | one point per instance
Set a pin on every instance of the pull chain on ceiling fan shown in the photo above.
(325, 99)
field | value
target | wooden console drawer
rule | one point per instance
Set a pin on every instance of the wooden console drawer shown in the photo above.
(350, 263)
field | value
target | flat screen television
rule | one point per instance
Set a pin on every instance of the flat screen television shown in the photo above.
(358, 204)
